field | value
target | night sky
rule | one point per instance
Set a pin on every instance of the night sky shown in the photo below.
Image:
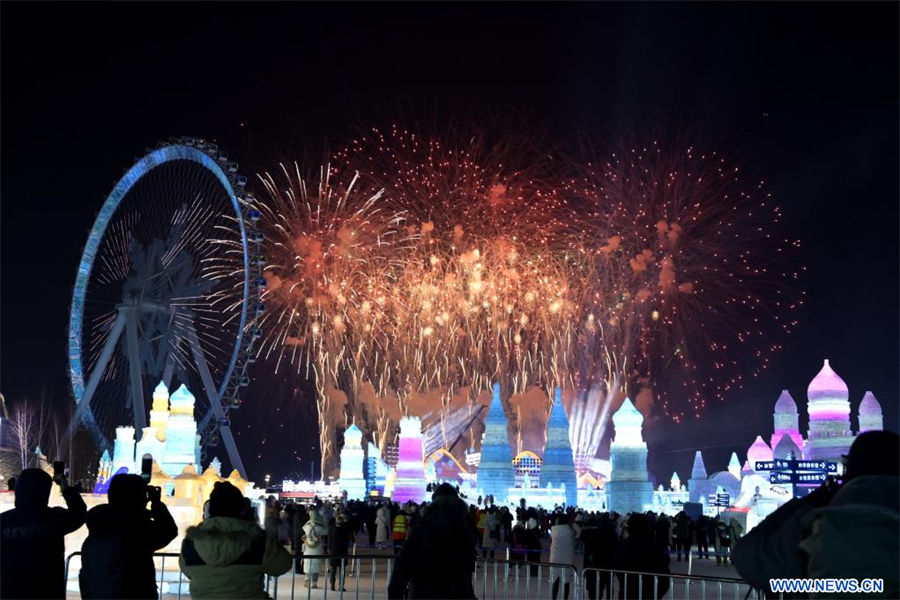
(806, 95)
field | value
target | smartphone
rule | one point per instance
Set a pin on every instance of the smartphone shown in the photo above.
(146, 467)
(59, 469)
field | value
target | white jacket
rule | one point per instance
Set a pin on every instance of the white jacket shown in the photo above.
(562, 544)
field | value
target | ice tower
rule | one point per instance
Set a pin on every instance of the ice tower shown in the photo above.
(182, 445)
(376, 471)
(699, 484)
(495, 471)
(352, 478)
(558, 469)
(629, 488)
(123, 449)
(159, 413)
(829, 416)
(734, 466)
(786, 420)
(786, 449)
(410, 481)
(759, 451)
(870, 416)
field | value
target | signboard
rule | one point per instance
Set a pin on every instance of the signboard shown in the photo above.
(798, 472)
(723, 500)
(782, 464)
(801, 478)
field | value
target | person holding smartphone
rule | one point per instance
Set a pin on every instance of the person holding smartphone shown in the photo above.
(117, 556)
(32, 536)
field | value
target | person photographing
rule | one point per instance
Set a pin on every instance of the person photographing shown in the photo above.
(32, 536)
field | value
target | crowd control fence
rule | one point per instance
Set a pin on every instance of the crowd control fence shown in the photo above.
(366, 577)
(599, 584)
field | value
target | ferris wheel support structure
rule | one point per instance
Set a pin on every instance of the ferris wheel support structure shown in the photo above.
(138, 315)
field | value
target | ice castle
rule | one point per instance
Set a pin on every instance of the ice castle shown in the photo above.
(829, 435)
(495, 471)
(171, 438)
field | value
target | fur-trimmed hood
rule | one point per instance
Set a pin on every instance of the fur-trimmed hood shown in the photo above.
(222, 540)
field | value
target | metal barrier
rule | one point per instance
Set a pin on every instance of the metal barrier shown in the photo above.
(164, 585)
(515, 580)
(493, 579)
(363, 568)
(606, 583)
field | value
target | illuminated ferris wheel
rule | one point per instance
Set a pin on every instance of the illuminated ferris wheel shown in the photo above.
(168, 289)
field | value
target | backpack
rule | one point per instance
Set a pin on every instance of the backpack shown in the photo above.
(103, 566)
(312, 539)
(724, 534)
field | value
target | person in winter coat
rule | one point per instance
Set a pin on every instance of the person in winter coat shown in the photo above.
(533, 543)
(701, 532)
(340, 535)
(439, 558)
(399, 531)
(723, 541)
(681, 534)
(641, 552)
(506, 524)
(117, 555)
(382, 525)
(517, 542)
(737, 530)
(841, 531)
(490, 533)
(314, 532)
(32, 537)
(298, 520)
(369, 518)
(600, 553)
(562, 551)
(227, 555)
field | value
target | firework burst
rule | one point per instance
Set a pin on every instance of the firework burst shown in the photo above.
(695, 273)
(650, 268)
(330, 250)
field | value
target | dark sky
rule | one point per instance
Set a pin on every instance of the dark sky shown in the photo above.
(806, 94)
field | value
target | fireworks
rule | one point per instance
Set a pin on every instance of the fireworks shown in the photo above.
(695, 272)
(425, 264)
(328, 278)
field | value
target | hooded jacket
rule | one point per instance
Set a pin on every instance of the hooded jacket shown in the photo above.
(225, 557)
(855, 536)
(438, 558)
(128, 538)
(31, 539)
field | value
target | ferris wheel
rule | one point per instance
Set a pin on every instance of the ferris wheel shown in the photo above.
(168, 289)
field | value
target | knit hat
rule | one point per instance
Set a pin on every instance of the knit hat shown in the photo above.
(873, 453)
(226, 500)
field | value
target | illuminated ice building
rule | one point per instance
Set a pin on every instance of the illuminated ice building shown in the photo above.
(496, 473)
(629, 488)
(171, 438)
(410, 480)
(829, 435)
(352, 478)
(558, 469)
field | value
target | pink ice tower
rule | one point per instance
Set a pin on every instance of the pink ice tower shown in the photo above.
(787, 421)
(870, 415)
(829, 416)
(759, 451)
(410, 481)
